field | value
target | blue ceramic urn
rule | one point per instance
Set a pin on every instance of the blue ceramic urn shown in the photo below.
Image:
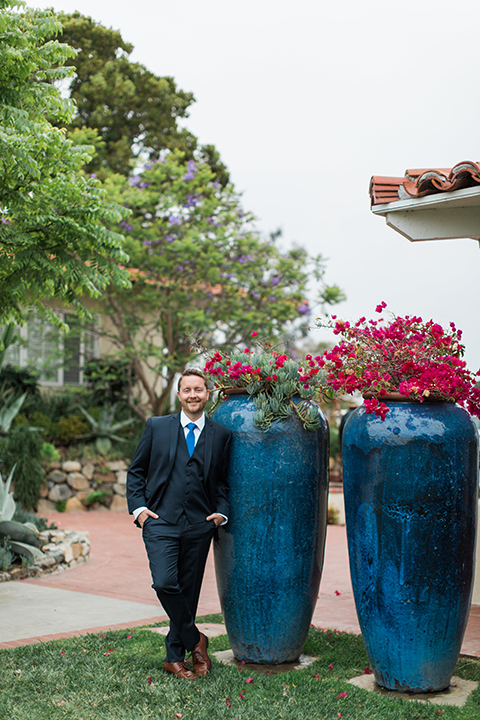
(411, 485)
(269, 556)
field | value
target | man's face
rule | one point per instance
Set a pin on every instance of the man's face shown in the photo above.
(193, 395)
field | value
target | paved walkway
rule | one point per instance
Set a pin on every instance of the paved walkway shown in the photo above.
(113, 590)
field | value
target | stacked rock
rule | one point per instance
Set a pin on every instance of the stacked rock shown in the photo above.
(85, 484)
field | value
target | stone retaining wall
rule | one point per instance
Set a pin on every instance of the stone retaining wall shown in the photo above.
(73, 482)
(63, 549)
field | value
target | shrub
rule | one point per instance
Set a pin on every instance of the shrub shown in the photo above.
(23, 447)
(333, 515)
(69, 428)
(109, 379)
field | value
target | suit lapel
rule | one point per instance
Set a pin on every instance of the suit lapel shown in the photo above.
(173, 441)
(209, 433)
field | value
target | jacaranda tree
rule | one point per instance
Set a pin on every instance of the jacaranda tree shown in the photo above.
(199, 270)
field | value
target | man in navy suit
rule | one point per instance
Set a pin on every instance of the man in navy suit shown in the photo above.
(177, 491)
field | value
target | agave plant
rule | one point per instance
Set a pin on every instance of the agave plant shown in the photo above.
(9, 412)
(15, 538)
(7, 503)
(9, 336)
(104, 429)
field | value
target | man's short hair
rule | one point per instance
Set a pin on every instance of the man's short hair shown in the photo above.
(192, 371)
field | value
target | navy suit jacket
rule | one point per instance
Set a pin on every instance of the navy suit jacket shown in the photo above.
(154, 457)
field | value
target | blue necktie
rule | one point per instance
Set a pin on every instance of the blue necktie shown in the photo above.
(191, 438)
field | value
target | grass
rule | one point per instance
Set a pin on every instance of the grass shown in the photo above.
(118, 676)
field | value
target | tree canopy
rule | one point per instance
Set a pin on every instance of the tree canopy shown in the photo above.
(133, 112)
(199, 271)
(53, 236)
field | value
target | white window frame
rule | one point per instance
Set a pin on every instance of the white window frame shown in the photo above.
(60, 371)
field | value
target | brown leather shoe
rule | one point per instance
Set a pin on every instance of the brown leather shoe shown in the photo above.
(179, 669)
(201, 661)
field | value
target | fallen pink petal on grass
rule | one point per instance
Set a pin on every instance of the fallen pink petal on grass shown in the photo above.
(367, 671)
(149, 680)
(249, 680)
(330, 667)
(178, 715)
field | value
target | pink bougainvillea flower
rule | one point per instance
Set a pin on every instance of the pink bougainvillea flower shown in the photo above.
(367, 671)
(316, 676)
(342, 695)
(63, 652)
(337, 592)
(242, 662)
(178, 715)
(128, 637)
(241, 695)
(330, 667)
(249, 680)
(149, 680)
(227, 702)
(339, 715)
(254, 334)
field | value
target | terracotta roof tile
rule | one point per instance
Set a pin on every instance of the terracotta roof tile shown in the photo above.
(425, 181)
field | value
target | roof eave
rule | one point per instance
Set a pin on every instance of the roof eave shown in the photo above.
(441, 216)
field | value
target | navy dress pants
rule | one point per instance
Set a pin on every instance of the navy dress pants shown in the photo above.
(177, 554)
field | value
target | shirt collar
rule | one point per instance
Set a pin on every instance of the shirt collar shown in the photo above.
(184, 420)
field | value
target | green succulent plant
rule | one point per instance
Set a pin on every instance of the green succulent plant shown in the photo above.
(15, 538)
(103, 430)
(279, 386)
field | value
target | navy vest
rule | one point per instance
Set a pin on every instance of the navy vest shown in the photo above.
(185, 491)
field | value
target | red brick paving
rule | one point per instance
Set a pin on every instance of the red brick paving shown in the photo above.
(118, 568)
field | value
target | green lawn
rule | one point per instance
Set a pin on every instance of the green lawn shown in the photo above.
(119, 676)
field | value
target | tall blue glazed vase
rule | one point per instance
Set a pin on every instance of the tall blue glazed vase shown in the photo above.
(269, 557)
(411, 485)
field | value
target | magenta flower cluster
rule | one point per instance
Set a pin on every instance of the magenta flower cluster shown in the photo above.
(417, 359)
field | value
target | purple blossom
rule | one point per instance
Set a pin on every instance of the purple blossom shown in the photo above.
(275, 280)
(93, 175)
(148, 166)
(304, 309)
(134, 181)
(170, 238)
(255, 295)
(144, 184)
(180, 268)
(271, 298)
(191, 170)
(209, 294)
(6, 221)
(126, 226)
(147, 242)
(175, 220)
(192, 200)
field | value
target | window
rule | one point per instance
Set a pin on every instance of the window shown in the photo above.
(59, 356)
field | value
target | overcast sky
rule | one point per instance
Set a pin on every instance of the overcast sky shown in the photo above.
(306, 101)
